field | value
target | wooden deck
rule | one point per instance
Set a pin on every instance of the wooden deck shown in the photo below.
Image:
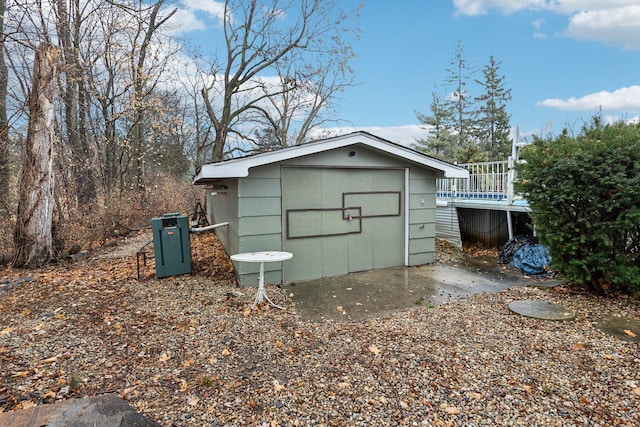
(483, 207)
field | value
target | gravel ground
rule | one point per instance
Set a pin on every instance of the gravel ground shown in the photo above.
(187, 351)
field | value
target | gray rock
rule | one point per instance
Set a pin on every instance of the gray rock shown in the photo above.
(104, 411)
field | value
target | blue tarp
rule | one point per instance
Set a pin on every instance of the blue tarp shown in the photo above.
(532, 259)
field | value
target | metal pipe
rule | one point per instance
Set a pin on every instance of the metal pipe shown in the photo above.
(208, 227)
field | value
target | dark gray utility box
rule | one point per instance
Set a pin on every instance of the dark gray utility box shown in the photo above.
(171, 245)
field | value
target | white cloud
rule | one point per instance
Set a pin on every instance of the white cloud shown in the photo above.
(193, 15)
(564, 7)
(404, 135)
(185, 20)
(615, 22)
(214, 8)
(481, 7)
(619, 26)
(624, 99)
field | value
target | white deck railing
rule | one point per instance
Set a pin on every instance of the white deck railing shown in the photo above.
(487, 180)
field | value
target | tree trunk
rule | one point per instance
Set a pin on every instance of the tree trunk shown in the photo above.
(4, 124)
(34, 224)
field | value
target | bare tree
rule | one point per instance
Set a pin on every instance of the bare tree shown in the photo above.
(71, 31)
(258, 39)
(34, 225)
(148, 19)
(306, 96)
(4, 123)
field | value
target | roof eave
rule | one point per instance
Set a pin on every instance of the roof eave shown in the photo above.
(239, 168)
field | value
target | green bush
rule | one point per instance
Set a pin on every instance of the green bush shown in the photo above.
(584, 194)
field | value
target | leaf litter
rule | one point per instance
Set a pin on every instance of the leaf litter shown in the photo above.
(187, 351)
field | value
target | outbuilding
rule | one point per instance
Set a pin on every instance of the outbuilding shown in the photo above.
(350, 203)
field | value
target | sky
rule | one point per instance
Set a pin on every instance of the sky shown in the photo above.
(564, 60)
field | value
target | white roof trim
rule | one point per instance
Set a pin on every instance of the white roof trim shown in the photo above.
(239, 168)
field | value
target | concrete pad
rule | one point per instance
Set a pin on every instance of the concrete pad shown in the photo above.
(625, 328)
(103, 411)
(371, 293)
(541, 310)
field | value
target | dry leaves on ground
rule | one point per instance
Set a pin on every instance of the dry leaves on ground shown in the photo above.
(186, 351)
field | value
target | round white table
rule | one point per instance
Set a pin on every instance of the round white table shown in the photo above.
(262, 257)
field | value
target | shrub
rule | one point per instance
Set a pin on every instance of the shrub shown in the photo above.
(584, 194)
(112, 215)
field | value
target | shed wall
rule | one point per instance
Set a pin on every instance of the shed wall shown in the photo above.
(253, 207)
(259, 228)
(222, 206)
(422, 216)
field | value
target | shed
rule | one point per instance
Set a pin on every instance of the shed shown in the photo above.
(349, 203)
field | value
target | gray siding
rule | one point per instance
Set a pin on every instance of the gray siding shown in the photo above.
(259, 222)
(422, 216)
(447, 225)
(363, 158)
(222, 206)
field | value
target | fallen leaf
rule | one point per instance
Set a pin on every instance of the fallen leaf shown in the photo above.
(48, 395)
(404, 404)
(25, 312)
(373, 349)
(20, 374)
(607, 356)
(25, 405)
(164, 357)
(637, 391)
(184, 386)
(578, 346)
(527, 388)
(344, 384)
(279, 344)
(339, 308)
(7, 331)
(278, 387)
(630, 333)
(225, 351)
(475, 395)
(50, 360)
(188, 363)
(193, 401)
(452, 410)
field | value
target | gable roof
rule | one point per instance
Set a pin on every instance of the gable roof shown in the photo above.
(239, 167)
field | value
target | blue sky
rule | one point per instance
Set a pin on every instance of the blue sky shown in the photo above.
(562, 59)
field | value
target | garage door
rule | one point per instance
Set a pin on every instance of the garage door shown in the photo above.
(339, 221)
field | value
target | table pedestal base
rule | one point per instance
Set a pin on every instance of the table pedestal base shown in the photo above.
(261, 295)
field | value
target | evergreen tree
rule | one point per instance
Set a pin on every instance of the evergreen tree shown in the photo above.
(460, 102)
(440, 142)
(492, 125)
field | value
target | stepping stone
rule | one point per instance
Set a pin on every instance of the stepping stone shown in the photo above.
(547, 284)
(541, 310)
(622, 327)
(103, 411)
